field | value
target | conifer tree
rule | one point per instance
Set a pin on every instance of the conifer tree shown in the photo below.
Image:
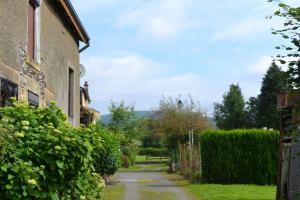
(230, 113)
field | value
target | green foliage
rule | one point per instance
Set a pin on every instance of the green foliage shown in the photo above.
(123, 119)
(43, 157)
(261, 111)
(107, 153)
(289, 54)
(155, 152)
(125, 123)
(173, 119)
(230, 113)
(240, 156)
(273, 82)
(251, 112)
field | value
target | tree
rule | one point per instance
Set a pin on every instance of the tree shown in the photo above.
(123, 119)
(273, 82)
(173, 120)
(230, 113)
(290, 54)
(251, 112)
(125, 123)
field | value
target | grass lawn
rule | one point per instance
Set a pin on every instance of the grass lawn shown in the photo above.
(131, 168)
(225, 192)
(140, 158)
(113, 192)
(137, 168)
(231, 192)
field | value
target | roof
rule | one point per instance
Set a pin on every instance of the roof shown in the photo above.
(74, 20)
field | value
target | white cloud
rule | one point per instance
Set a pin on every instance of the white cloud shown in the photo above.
(88, 6)
(260, 66)
(140, 80)
(246, 29)
(158, 19)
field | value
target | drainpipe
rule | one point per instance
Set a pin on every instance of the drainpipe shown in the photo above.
(84, 48)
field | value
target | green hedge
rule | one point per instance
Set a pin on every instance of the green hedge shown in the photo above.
(155, 152)
(239, 156)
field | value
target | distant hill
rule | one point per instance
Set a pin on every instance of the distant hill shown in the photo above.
(105, 119)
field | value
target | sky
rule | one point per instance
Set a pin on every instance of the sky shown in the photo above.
(143, 49)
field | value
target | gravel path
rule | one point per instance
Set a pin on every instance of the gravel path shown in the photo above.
(137, 182)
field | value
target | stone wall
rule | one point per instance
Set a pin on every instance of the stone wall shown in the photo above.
(49, 75)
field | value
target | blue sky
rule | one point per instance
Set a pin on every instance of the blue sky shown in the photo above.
(143, 49)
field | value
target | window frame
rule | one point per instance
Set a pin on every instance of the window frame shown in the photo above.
(71, 92)
(3, 102)
(33, 32)
(32, 101)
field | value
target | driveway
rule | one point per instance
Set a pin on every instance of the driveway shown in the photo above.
(149, 183)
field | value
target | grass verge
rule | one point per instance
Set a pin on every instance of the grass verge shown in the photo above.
(224, 192)
(114, 192)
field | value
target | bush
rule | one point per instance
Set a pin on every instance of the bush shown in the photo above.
(240, 156)
(155, 152)
(107, 153)
(43, 157)
(130, 148)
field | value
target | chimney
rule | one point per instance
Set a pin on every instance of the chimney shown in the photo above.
(86, 86)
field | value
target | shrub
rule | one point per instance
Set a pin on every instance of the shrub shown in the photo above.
(130, 148)
(43, 157)
(155, 152)
(107, 153)
(239, 156)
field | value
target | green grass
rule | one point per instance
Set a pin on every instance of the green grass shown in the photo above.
(150, 167)
(114, 192)
(131, 168)
(140, 158)
(225, 192)
(231, 192)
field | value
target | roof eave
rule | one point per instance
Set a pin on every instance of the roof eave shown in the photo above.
(82, 33)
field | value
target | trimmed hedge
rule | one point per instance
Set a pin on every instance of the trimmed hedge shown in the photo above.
(239, 156)
(155, 152)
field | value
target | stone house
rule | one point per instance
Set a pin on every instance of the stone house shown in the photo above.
(88, 115)
(40, 45)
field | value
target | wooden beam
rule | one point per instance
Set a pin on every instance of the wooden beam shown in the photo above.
(63, 3)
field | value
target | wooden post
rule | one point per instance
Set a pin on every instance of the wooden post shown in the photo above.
(279, 172)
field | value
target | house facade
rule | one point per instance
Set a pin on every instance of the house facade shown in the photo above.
(40, 53)
(88, 115)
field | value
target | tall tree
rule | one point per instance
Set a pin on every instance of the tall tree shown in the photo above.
(273, 82)
(123, 119)
(251, 112)
(230, 113)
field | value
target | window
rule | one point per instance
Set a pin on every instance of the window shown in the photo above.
(71, 93)
(33, 99)
(8, 89)
(31, 29)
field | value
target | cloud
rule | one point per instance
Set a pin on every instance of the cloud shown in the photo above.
(88, 6)
(138, 79)
(158, 19)
(243, 30)
(260, 66)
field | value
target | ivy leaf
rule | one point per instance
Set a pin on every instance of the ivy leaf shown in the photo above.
(4, 167)
(60, 164)
(54, 196)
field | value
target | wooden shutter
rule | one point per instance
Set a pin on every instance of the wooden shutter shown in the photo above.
(31, 29)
